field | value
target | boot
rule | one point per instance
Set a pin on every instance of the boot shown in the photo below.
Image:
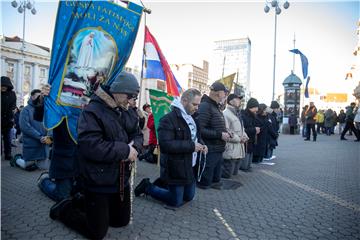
(314, 138)
(58, 208)
(142, 187)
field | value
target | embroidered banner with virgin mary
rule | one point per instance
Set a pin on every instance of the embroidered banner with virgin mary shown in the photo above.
(92, 42)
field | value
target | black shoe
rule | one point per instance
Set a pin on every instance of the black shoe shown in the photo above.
(343, 138)
(142, 187)
(357, 140)
(202, 186)
(9, 157)
(307, 139)
(217, 185)
(59, 207)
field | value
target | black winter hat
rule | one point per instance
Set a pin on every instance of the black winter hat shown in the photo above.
(125, 82)
(218, 86)
(252, 103)
(262, 107)
(6, 82)
(274, 105)
(232, 96)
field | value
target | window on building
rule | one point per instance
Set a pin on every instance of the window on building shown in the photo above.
(10, 68)
(27, 70)
(42, 72)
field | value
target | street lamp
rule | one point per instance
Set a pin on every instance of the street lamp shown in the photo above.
(277, 6)
(22, 6)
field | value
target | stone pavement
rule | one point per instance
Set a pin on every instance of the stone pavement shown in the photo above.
(312, 192)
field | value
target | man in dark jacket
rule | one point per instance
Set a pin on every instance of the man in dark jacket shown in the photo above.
(310, 121)
(105, 157)
(251, 129)
(349, 123)
(180, 145)
(214, 134)
(8, 104)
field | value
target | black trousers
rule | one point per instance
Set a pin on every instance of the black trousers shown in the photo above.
(350, 126)
(312, 128)
(101, 210)
(5, 133)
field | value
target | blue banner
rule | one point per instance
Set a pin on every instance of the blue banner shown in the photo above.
(92, 42)
(306, 93)
(304, 61)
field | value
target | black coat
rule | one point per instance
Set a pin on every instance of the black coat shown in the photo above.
(131, 121)
(8, 104)
(176, 148)
(212, 124)
(102, 144)
(261, 139)
(64, 162)
(249, 120)
(273, 131)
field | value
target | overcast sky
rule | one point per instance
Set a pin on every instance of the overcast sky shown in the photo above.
(325, 33)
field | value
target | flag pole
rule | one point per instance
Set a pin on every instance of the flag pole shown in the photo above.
(142, 68)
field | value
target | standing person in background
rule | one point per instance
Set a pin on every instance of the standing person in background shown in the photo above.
(235, 148)
(328, 121)
(249, 119)
(320, 119)
(214, 134)
(303, 121)
(310, 114)
(357, 118)
(260, 144)
(350, 123)
(8, 104)
(334, 121)
(292, 123)
(272, 135)
(145, 130)
(341, 120)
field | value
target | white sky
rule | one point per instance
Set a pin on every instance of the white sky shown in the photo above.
(325, 33)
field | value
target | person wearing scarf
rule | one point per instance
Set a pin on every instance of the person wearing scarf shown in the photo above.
(180, 145)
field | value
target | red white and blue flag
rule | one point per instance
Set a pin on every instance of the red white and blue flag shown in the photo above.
(157, 67)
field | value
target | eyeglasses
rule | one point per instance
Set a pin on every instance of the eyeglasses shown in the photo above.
(132, 96)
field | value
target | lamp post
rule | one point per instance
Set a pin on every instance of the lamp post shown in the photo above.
(276, 5)
(22, 6)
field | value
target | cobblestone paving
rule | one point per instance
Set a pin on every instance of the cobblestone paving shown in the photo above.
(312, 192)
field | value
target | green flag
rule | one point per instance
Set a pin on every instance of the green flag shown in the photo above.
(160, 105)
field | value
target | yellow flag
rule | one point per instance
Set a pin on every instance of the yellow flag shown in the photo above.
(228, 81)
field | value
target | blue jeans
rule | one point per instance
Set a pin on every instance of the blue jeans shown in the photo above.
(269, 152)
(56, 190)
(175, 195)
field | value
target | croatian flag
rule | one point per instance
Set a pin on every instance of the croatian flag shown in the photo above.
(156, 65)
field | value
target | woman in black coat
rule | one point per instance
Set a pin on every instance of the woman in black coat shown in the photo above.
(261, 140)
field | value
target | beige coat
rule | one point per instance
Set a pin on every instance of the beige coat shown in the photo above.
(235, 148)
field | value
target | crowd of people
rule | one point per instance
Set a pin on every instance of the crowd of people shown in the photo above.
(202, 140)
(327, 121)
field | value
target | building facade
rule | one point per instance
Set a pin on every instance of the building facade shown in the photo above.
(27, 68)
(191, 76)
(233, 56)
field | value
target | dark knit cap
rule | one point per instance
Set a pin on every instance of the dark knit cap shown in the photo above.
(252, 103)
(233, 96)
(274, 105)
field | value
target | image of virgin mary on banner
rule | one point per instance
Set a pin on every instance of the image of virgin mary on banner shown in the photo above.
(92, 42)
